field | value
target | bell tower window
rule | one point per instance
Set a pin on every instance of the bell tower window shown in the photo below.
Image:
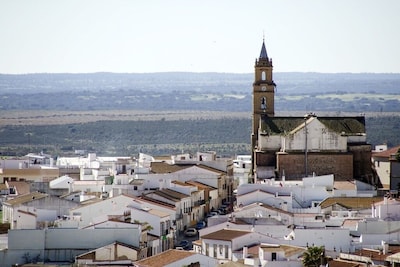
(263, 103)
(263, 76)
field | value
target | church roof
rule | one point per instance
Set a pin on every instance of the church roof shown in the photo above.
(263, 54)
(282, 125)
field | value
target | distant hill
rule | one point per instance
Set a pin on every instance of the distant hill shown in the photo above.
(287, 82)
(341, 92)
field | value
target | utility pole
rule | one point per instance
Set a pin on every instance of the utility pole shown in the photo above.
(306, 146)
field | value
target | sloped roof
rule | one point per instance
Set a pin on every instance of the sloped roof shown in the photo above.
(354, 203)
(21, 186)
(344, 185)
(344, 263)
(350, 223)
(387, 153)
(25, 198)
(164, 258)
(200, 185)
(232, 264)
(92, 254)
(163, 167)
(177, 182)
(289, 250)
(395, 257)
(225, 234)
(282, 125)
(170, 194)
(158, 213)
(277, 209)
(153, 201)
(208, 168)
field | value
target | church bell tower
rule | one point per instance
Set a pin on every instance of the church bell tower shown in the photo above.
(263, 95)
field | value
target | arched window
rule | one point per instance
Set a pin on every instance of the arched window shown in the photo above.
(263, 103)
(263, 76)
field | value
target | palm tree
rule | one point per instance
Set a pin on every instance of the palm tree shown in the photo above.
(314, 256)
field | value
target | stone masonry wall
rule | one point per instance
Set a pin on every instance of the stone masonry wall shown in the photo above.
(339, 164)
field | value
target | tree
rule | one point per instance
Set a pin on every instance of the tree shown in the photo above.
(314, 256)
(398, 155)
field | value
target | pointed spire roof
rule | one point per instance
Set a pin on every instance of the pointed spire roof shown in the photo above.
(263, 54)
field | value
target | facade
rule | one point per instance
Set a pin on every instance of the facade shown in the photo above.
(62, 245)
(174, 257)
(34, 210)
(297, 147)
(280, 255)
(222, 244)
(32, 167)
(387, 166)
(97, 211)
(115, 254)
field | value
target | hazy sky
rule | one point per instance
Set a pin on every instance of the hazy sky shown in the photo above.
(200, 36)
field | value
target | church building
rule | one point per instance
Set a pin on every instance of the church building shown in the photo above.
(301, 146)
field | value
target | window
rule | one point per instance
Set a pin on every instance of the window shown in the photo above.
(226, 252)
(215, 250)
(208, 250)
(162, 226)
(263, 76)
(273, 256)
(263, 103)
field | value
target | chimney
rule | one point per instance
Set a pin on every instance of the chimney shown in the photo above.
(385, 247)
(244, 252)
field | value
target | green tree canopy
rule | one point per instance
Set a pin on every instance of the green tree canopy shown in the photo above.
(314, 256)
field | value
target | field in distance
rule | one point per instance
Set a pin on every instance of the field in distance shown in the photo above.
(50, 117)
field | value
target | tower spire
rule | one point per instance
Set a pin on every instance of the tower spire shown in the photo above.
(263, 54)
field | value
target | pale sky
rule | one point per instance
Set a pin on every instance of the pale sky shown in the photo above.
(131, 36)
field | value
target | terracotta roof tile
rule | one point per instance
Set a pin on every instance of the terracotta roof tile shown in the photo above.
(163, 167)
(170, 194)
(343, 263)
(156, 202)
(200, 185)
(386, 153)
(354, 203)
(288, 250)
(344, 185)
(225, 234)
(25, 198)
(22, 187)
(162, 259)
(280, 125)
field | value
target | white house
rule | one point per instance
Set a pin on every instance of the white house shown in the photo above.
(198, 199)
(182, 203)
(174, 257)
(387, 167)
(116, 253)
(276, 255)
(160, 226)
(96, 212)
(221, 244)
(61, 244)
(294, 194)
(387, 209)
(30, 209)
